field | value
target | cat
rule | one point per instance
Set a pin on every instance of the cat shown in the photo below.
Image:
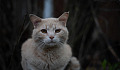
(48, 48)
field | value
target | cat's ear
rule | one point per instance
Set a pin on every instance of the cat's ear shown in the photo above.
(63, 18)
(35, 20)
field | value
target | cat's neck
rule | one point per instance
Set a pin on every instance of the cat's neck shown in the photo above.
(46, 48)
(49, 49)
(51, 52)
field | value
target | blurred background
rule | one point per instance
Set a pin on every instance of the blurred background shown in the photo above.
(94, 30)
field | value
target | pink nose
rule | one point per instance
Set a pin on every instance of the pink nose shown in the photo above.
(51, 37)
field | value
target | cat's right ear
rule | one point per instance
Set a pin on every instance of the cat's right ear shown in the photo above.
(64, 17)
(35, 20)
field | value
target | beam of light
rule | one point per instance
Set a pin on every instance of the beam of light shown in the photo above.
(48, 8)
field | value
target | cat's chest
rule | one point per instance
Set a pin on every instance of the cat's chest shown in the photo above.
(49, 61)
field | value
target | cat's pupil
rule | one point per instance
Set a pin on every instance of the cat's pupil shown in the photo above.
(44, 31)
(57, 30)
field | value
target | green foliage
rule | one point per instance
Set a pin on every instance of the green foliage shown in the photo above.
(104, 64)
(108, 66)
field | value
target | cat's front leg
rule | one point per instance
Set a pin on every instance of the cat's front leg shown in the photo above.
(61, 68)
(74, 64)
(26, 66)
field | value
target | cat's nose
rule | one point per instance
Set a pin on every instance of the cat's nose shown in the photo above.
(51, 37)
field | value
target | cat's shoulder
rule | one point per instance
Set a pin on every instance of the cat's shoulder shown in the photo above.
(68, 46)
(27, 43)
(27, 48)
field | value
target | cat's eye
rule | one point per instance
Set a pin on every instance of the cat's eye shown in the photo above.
(44, 31)
(57, 30)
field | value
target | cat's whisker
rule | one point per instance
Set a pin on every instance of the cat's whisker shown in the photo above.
(40, 41)
(39, 44)
(42, 45)
(59, 44)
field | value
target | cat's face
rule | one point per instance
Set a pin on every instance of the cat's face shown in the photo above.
(50, 31)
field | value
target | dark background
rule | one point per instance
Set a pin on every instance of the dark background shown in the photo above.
(94, 31)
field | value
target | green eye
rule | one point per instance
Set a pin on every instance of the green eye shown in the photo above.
(57, 30)
(44, 31)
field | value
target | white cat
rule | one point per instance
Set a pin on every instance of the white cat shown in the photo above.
(47, 49)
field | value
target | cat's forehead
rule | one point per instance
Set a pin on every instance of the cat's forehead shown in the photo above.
(50, 20)
(50, 23)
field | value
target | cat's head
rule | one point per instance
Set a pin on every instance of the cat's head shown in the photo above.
(50, 31)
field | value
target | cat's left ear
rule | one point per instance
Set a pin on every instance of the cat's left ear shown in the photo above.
(64, 17)
(35, 20)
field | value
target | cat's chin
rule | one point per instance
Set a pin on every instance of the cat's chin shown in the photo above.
(51, 44)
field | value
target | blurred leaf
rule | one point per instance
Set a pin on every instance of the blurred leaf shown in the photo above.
(104, 64)
(115, 66)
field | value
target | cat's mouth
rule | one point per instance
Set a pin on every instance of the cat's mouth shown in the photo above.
(51, 43)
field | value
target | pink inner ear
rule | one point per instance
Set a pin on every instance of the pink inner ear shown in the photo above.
(36, 23)
(62, 19)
